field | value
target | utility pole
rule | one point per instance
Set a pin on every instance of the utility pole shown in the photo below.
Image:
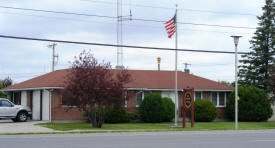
(53, 55)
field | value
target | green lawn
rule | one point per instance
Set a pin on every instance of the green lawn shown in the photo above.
(161, 126)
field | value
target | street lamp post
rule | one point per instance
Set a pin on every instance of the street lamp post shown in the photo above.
(236, 40)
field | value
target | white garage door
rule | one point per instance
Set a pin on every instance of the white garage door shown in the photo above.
(36, 105)
(46, 105)
(24, 98)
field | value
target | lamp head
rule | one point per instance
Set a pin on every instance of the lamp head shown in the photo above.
(236, 39)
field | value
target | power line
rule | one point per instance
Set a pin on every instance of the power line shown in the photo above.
(127, 46)
(183, 9)
(113, 45)
(125, 25)
(113, 17)
(22, 73)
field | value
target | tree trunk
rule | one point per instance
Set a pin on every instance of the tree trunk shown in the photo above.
(96, 116)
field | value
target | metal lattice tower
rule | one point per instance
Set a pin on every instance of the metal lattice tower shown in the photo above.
(120, 19)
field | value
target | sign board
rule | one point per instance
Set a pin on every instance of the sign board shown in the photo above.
(188, 104)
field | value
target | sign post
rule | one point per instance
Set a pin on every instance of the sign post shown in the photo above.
(188, 104)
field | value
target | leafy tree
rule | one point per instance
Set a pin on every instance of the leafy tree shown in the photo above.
(227, 83)
(2, 94)
(3, 84)
(93, 87)
(257, 64)
(7, 82)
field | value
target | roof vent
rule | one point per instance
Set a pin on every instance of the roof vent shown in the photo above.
(186, 70)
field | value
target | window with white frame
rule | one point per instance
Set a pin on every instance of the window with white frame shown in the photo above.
(198, 95)
(140, 96)
(214, 98)
(125, 99)
(218, 98)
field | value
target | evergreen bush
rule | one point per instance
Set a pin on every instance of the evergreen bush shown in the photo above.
(154, 109)
(116, 115)
(252, 106)
(205, 111)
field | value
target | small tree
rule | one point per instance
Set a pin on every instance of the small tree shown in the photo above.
(3, 84)
(93, 87)
(7, 82)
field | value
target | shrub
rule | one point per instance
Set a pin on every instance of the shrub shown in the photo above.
(133, 116)
(168, 109)
(116, 115)
(155, 109)
(205, 111)
(252, 106)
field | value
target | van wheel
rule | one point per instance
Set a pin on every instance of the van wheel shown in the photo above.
(14, 119)
(22, 117)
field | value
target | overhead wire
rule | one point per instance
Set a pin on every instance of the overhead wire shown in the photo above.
(114, 45)
(125, 25)
(126, 46)
(113, 17)
(180, 9)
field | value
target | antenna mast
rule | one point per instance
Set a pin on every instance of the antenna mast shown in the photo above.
(120, 19)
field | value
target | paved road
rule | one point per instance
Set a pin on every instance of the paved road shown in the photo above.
(209, 139)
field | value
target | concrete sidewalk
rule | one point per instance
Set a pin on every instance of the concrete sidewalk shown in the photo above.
(8, 126)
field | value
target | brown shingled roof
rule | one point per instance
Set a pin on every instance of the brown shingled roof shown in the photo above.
(150, 79)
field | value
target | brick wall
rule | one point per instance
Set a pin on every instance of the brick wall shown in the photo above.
(131, 101)
(60, 112)
(221, 113)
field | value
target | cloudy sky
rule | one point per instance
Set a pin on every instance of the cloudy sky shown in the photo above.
(22, 60)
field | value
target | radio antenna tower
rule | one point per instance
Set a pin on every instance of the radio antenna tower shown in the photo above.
(120, 19)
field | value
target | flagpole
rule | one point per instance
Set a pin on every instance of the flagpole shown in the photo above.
(176, 69)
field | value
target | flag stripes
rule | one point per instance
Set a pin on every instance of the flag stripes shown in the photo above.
(170, 27)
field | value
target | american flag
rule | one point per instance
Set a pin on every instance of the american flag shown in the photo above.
(170, 27)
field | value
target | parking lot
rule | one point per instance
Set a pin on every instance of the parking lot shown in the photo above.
(8, 126)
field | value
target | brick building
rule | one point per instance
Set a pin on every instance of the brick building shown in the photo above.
(43, 94)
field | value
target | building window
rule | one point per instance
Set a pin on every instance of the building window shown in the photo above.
(16, 98)
(65, 99)
(218, 98)
(198, 95)
(214, 98)
(221, 99)
(140, 96)
(125, 98)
